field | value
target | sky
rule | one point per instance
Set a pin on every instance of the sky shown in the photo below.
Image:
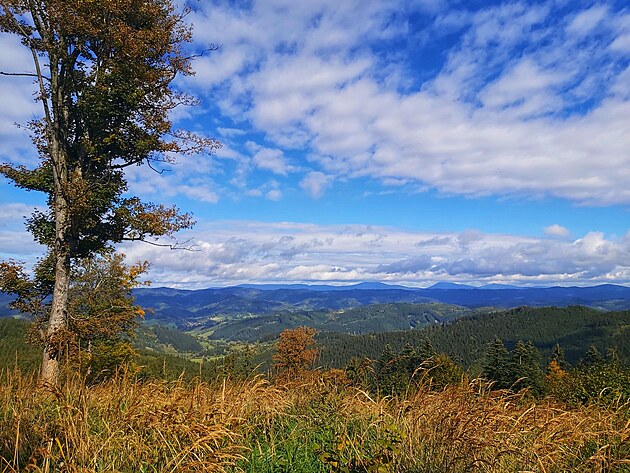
(407, 142)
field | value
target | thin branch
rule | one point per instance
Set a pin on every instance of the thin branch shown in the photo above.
(212, 47)
(160, 171)
(23, 74)
(172, 246)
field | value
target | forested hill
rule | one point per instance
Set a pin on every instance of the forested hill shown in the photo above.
(184, 307)
(465, 340)
(364, 319)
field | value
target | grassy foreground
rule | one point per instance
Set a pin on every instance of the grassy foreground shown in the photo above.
(318, 424)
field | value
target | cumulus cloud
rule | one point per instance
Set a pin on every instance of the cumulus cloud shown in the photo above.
(520, 107)
(274, 194)
(526, 98)
(192, 177)
(18, 101)
(15, 241)
(232, 252)
(272, 160)
(315, 183)
(584, 22)
(557, 230)
(13, 214)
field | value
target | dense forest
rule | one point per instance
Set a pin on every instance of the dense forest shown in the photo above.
(573, 328)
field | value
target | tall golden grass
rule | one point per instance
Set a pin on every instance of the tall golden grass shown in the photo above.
(133, 426)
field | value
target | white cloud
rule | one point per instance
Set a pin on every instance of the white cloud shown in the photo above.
(20, 245)
(499, 118)
(12, 214)
(621, 43)
(315, 183)
(190, 176)
(584, 22)
(557, 230)
(15, 241)
(228, 132)
(272, 160)
(525, 89)
(233, 252)
(524, 103)
(274, 194)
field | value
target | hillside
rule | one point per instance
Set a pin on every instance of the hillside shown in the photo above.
(360, 320)
(465, 340)
(349, 334)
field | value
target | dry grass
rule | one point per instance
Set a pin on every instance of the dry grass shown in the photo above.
(463, 429)
(125, 425)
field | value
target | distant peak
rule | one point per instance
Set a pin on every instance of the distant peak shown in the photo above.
(449, 285)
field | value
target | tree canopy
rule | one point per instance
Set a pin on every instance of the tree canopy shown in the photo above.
(104, 71)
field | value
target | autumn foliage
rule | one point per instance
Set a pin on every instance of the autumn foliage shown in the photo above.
(103, 72)
(295, 351)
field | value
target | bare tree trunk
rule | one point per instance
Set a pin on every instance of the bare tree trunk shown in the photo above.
(58, 320)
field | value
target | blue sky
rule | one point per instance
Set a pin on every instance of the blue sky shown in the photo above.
(406, 142)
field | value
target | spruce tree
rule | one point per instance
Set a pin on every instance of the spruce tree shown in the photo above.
(559, 357)
(524, 368)
(496, 364)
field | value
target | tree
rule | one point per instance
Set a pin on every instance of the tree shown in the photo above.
(495, 366)
(392, 371)
(426, 349)
(103, 71)
(358, 371)
(101, 310)
(295, 350)
(409, 360)
(558, 356)
(525, 370)
(440, 371)
(593, 356)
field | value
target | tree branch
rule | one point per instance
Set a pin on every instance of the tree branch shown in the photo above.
(23, 74)
(172, 246)
(159, 171)
(212, 47)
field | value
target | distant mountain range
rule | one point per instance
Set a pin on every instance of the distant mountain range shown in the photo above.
(201, 307)
(186, 308)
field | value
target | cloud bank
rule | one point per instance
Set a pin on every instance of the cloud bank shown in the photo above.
(232, 252)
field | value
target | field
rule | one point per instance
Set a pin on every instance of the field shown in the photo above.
(317, 423)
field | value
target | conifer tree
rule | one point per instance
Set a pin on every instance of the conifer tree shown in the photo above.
(426, 349)
(409, 360)
(557, 355)
(442, 371)
(524, 368)
(358, 371)
(496, 364)
(387, 378)
(103, 71)
(593, 356)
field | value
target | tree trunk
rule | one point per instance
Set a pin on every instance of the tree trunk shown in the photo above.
(58, 320)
